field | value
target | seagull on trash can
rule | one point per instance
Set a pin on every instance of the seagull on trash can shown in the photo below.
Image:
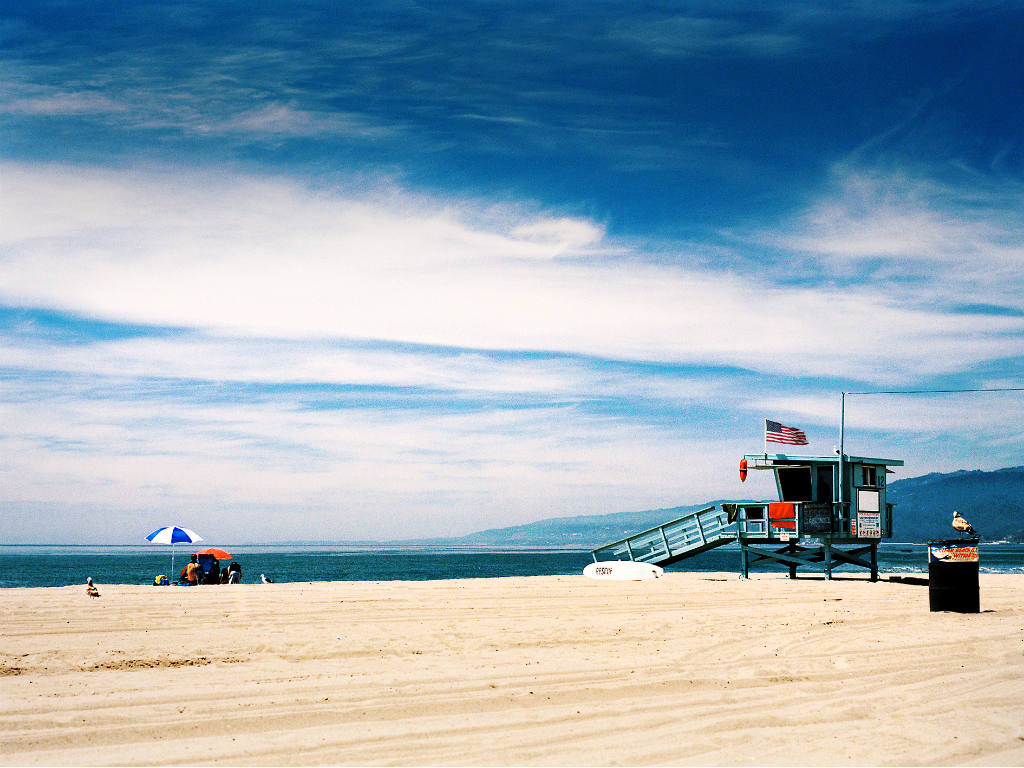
(265, 579)
(90, 588)
(961, 525)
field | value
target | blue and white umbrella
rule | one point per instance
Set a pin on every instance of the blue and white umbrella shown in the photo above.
(172, 534)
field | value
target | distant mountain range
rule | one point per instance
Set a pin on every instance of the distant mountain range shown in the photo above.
(581, 532)
(992, 501)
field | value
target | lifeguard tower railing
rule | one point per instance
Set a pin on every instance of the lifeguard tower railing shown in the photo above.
(675, 540)
(784, 521)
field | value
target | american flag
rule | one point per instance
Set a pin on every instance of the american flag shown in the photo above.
(779, 433)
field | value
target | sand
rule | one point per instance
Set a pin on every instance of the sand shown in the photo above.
(701, 669)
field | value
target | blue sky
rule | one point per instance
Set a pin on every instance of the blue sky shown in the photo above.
(309, 271)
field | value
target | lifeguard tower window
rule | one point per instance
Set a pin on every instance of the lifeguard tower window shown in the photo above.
(794, 483)
(869, 477)
(826, 492)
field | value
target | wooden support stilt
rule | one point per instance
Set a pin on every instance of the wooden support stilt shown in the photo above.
(822, 558)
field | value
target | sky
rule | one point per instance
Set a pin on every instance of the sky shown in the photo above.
(330, 271)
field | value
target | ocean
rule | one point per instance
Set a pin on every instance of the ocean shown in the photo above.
(56, 566)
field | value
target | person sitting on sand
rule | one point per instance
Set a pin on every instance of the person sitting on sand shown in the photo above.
(234, 573)
(212, 575)
(189, 575)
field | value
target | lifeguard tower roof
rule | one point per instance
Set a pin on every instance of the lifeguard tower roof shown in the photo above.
(793, 458)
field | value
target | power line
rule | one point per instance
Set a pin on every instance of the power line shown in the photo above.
(842, 414)
(936, 391)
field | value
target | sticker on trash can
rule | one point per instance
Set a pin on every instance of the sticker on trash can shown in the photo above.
(951, 553)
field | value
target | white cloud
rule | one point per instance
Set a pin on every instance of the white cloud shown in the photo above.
(564, 235)
(58, 103)
(352, 472)
(277, 120)
(241, 256)
(456, 374)
(690, 36)
(958, 243)
(272, 282)
(132, 447)
(206, 101)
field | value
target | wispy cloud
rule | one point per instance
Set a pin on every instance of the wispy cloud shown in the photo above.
(915, 236)
(682, 36)
(237, 255)
(398, 473)
(57, 104)
(277, 120)
(420, 268)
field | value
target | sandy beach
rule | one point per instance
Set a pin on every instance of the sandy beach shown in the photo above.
(690, 669)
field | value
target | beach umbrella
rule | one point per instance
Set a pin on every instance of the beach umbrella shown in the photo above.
(220, 554)
(172, 534)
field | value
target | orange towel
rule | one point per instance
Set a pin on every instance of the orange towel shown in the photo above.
(781, 514)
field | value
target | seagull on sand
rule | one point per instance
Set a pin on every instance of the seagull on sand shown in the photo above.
(266, 580)
(90, 588)
(961, 525)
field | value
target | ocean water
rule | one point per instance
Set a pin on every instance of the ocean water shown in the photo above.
(55, 566)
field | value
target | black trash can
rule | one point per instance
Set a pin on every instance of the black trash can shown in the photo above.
(953, 575)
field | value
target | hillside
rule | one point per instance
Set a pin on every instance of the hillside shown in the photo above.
(992, 501)
(582, 532)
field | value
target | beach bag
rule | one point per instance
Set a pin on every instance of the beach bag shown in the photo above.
(161, 581)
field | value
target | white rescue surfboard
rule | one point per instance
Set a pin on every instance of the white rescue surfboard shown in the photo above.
(622, 570)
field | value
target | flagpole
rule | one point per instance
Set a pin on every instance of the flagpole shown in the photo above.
(842, 446)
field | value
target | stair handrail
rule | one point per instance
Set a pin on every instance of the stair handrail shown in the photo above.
(655, 529)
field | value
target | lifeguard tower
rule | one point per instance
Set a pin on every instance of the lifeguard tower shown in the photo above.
(832, 511)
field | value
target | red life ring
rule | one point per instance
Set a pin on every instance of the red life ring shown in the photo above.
(743, 470)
